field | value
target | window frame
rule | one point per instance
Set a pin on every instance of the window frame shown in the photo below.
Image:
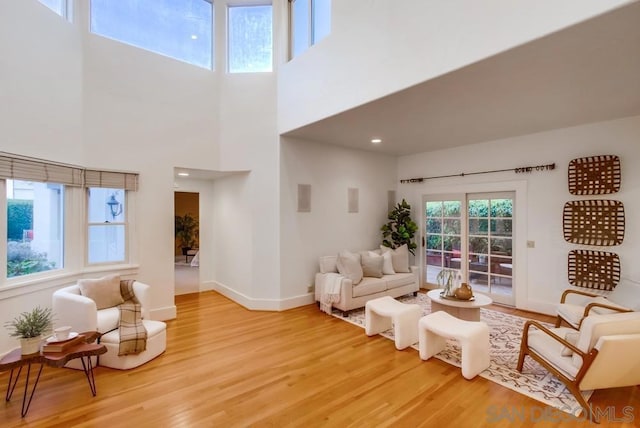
(124, 223)
(230, 6)
(310, 24)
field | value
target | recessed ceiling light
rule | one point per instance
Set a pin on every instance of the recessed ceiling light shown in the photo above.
(376, 140)
(183, 174)
(194, 37)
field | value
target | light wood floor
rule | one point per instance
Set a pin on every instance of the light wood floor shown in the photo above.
(226, 366)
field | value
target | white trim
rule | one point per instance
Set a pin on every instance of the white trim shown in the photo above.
(164, 313)
(259, 304)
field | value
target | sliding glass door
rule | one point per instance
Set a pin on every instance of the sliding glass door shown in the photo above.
(472, 233)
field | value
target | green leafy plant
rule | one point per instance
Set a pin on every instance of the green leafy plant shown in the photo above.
(31, 324)
(22, 260)
(400, 229)
(186, 228)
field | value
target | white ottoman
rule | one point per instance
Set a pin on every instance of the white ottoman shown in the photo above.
(380, 314)
(435, 328)
(156, 345)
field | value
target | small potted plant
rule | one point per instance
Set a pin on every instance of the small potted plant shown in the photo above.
(29, 327)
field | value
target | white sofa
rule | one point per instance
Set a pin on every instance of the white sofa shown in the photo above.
(81, 313)
(356, 296)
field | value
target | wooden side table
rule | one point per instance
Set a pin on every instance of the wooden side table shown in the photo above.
(15, 360)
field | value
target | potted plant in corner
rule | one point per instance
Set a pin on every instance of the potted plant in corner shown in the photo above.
(186, 228)
(29, 327)
(400, 229)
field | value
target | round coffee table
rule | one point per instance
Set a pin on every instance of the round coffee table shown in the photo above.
(468, 310)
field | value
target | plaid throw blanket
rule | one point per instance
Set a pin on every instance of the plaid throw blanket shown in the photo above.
(133, 335)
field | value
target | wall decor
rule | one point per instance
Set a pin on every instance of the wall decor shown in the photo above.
(594, 175)
(598, 270)
(593, 222)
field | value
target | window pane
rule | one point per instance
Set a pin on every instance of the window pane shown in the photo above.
(452, 226)
(300, 24)
(58, 6)
(501, 227)
(501, 207)
(106, 243)
(434, 242)
(452, 208)
(34, 227)
(106, 205)
(434, 225)
(434, 209)
(250, 35)
(321, 19)
(478, 226)
(478, 208)
(177, 29)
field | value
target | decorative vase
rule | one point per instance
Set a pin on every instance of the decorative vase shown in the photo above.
(464, 292)
(30, 345)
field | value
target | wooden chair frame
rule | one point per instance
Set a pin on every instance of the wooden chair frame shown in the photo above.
(572, 384)
(587, 308)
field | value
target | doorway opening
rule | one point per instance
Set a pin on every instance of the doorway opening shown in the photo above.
(186, 243)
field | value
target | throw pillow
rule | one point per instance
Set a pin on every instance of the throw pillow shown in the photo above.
(387, 264)
(349, 266)
(399, 257)
(572, 338)
(371, 264)
(104, 291)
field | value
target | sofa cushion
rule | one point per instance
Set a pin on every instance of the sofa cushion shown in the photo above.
(387, 265)
(369, 286)
(349, 266)
(371, 264)
(104, 291)
(399, 257)
(399, 280)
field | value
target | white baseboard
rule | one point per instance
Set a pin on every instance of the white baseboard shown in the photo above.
(259, 304)
(163, 314)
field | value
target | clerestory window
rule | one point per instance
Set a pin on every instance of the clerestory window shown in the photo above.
(250, 39)
(182, 30)
(310, 22)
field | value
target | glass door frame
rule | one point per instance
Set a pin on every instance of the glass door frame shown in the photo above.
(463, 198)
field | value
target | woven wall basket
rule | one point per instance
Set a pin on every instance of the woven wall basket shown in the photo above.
(593, 222)
(594, 175)
(594, 269)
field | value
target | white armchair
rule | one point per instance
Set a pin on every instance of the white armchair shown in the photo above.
(602, 354)
(80, 312)
(575, 305)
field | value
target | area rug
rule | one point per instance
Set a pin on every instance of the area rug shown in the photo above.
(505, 335)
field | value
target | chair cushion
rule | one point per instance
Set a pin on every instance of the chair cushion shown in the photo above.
(570, 313)
(551, 350)
(608, 302)
(104, 291)
(595, 326)
(108, 319)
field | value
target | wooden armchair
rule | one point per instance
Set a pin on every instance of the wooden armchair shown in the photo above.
(575, 305)
(602, 354)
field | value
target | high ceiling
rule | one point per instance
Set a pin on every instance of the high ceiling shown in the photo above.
(587, 73)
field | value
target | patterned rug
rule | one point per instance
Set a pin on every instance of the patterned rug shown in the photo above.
(505, 335)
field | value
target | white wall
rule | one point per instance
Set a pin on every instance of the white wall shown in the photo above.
(328, 228)
(379, 47)
(40, 94)
(541, 274)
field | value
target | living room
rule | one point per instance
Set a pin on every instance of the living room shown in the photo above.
(82, 99)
